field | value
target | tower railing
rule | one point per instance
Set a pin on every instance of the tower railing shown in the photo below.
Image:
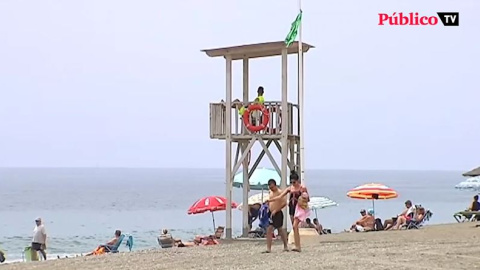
(274, 127)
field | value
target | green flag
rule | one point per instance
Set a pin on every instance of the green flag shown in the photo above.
(292, 35)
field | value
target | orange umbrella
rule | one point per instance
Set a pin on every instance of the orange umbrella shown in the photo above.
(372, 192)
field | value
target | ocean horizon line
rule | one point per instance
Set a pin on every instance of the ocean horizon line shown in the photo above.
(217, 168)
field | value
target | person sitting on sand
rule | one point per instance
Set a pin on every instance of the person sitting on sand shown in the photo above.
(365, 223)
(363, 214)
(403, 217)
(308, 224)
(318, 226)
(108, 246)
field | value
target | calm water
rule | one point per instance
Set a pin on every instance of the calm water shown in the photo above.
(82, 207)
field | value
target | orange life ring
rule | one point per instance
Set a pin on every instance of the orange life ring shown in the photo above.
(265, 116)
(279, 121)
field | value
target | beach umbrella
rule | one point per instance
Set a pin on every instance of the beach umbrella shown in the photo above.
(209, 204)
(258, 180)
(473, 173)
(320, 203)
(256, 198)
(471, 183)
(372, 192)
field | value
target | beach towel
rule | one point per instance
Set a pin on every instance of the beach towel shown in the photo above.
(130, 242)
(263, 216)
(99, 251)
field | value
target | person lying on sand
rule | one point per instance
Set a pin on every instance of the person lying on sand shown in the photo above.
(199, 241)
(108, 246)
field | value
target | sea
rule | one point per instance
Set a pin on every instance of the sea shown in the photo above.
(82, 207)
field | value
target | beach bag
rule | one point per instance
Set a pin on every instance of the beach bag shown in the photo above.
(30, 255)
(378, 225)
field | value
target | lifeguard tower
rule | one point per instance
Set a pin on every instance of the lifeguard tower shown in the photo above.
(282, 129)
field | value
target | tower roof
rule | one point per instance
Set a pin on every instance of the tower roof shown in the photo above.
(258, 50)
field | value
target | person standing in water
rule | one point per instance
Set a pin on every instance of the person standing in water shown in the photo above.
(39, 241)
(276, 216)
(298, 213)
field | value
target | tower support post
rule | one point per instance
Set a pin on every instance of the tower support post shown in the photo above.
(228, 148)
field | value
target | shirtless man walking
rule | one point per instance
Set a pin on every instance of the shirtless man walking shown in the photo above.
(276, 216)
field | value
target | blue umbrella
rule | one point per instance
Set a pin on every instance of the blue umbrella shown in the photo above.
(259, 179)
(320, 203)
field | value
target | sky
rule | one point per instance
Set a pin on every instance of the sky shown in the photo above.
(117, 83)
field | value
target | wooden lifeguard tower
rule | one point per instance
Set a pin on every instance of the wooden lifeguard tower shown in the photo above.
(282, 129)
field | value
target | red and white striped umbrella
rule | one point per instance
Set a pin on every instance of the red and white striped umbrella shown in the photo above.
(210, 204)
(372, 192)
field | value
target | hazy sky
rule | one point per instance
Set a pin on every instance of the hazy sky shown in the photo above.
(123, 83)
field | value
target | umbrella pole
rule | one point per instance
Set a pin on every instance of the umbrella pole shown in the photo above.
(316, 213)
(373, 203)
(213, 218)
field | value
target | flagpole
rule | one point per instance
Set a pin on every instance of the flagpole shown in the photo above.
(301, 97)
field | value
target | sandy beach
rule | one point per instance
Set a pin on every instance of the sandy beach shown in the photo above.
(452, 246)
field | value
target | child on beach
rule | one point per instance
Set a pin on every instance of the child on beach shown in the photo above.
(303, 201)
(302, 212)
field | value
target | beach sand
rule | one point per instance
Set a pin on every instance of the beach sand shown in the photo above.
(453, 246)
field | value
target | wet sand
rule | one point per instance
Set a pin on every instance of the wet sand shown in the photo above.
(453, 246)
